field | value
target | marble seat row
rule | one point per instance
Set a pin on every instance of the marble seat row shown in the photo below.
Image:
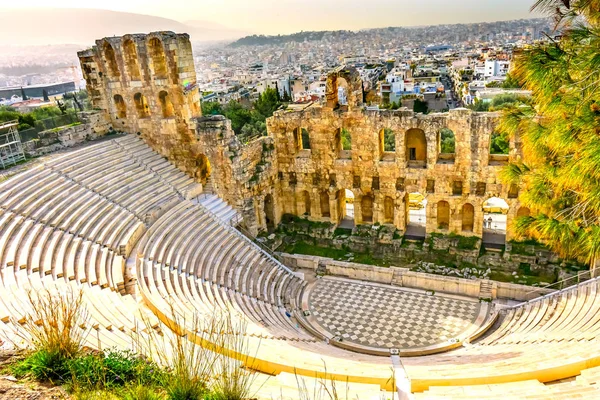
(572, 314)
(189, 247)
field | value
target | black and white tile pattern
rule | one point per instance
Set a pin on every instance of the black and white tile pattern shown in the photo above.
(377, 316)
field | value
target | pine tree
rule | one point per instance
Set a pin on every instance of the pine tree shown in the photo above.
(560, 133)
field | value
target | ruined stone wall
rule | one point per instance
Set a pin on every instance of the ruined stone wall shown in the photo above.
(147, 86)
(469, 176)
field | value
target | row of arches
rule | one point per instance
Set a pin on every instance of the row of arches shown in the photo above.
(156, 54)
(490, 220)
(142, 106)
(415, 144)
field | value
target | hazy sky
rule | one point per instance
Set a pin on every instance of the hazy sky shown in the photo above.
(284, 16)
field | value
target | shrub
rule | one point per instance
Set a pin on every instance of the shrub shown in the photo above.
(55, 328)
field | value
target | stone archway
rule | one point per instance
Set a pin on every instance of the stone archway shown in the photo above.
(468, 217)
(416, 148)
(156, 53)
(416, 215)
(269, 212)
(324, 200)
(131, 59)
(495, 212)
(443, 215)
(366, 208)
(203, 168)
(112, 68)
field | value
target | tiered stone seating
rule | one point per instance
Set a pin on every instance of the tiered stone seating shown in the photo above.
(70, 223)
(189, 242)
(546, 339)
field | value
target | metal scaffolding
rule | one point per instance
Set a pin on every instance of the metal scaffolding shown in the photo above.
(11, 149)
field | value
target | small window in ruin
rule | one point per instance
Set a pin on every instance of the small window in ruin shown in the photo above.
(480, 189)
(316, 179)
(389, 140)
(457, 188)
(447, 141)
(332, 180)
(280, 175)
(513, 191)
(400, 184)
(356, 182)
(375, 184)
(346, 139)
(141, 105)
(305, 144)
(412, 153)
(499, 143)
(430, 186)
(293, 179)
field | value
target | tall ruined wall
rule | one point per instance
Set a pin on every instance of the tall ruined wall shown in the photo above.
(147, 85)
(243, 174)
(380, 181)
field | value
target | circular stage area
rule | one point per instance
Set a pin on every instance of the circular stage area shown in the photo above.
(382, 316)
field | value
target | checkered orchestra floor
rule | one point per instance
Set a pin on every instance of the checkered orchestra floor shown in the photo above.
(388, 317)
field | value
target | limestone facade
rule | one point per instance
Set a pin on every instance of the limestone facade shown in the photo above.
(312, 154)
(146, 83)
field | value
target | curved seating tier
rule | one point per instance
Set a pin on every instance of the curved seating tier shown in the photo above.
(550, 338)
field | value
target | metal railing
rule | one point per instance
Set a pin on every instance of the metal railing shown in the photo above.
(581, 276)
(557, 293)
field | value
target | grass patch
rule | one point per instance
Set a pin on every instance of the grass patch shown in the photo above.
(301, 247)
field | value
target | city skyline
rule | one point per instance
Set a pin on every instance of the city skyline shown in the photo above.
(282, 17)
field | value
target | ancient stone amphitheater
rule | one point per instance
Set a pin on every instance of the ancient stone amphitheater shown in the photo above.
(153, 250)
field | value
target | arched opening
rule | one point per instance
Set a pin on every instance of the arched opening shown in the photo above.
(523, 212)
(305, 139)
(446, 145)
(345, 208)
(343, 143)
(366, 207)
(416, 148)
(305, 202)
(494, 222)
(387, 144)
(111, 61)
(269, 212)
(157, 55)
(342, 91)
(388, 210)
(141, 105)
(416, 215)
(131, 59)
(468, 217)
(443, 214)
(166, 105)
(120, 106)
(203, 168)
(324, 200)
(499, 148)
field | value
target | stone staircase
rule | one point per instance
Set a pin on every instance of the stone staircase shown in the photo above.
(220, 208)
(485, 289)
(208, 187)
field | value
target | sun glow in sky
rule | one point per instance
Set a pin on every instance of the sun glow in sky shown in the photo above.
(285, 16)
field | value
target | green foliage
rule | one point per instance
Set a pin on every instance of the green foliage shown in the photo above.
(467, 242)
(42, 365)
(420, 106)
(246, 121)
(560, 170)
(346, 139)
(211, 108)
(113, 369)
(447, 141)
(511, 82)
(499, 143)
(389, 140)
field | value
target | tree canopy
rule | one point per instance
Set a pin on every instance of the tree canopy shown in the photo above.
(244, 120)
(560, 133)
